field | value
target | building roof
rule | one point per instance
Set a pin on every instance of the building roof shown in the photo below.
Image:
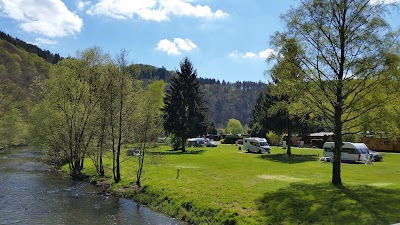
(321, 134)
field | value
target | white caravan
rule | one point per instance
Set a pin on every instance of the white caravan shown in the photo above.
(257, 145)
(349, 152)
(196, 142)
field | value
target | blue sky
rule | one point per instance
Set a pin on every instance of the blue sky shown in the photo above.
(225, 39)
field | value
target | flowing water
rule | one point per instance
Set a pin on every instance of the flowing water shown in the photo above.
(30, 193)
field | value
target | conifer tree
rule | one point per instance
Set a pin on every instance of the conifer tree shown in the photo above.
(184, 113)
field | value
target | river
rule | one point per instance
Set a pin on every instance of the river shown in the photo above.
(31, 193)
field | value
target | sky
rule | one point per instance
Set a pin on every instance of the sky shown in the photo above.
(225, 39)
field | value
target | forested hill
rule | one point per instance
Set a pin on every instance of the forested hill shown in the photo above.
(18, 69)
(46, 55)
(224, 100)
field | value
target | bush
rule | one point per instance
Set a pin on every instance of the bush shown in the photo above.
(273, 138)
(176, 142)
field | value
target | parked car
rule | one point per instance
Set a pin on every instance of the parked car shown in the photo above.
(377, 156)
(211, 144)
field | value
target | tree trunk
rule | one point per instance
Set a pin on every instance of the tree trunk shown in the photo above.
(289, 139)
(336, 177)
(118, 169)
(183, 144)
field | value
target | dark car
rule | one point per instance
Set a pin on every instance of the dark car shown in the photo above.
(377, 156)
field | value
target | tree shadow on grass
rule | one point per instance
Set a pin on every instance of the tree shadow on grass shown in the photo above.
(327, 204)
(179, 152)
(290, 159)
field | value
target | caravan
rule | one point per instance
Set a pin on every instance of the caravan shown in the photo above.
(197, 142)
(349, 151)
(257, 145)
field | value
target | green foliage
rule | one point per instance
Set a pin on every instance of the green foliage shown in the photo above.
(17, 71)
(184, 111)
(149, 124)
(234, 127)
(273, 138)
(176, 142)
(46, 55)
(336, 51)
(13, 128)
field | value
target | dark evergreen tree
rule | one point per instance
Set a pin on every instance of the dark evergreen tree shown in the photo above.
(270, 115)
(184, 113)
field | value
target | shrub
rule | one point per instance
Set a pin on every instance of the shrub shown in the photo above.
(273, 138)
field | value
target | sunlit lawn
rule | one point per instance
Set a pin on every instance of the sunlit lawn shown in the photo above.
(226, 185)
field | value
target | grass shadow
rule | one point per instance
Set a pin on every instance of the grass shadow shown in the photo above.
(327, 204)
(290, 159)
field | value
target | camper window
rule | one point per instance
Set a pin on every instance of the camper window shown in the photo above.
(328, 149)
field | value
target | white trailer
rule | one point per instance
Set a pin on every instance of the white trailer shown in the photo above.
(255, 144)
(349, 151)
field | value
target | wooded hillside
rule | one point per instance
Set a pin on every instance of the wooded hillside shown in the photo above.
(224, 100)
(18, 69)
(20, 62)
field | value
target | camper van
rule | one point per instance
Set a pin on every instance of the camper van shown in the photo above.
(196, 142)
(257, 145)
(349, 151)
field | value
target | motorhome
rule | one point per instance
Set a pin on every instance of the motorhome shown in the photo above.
(196, 142)
(349, 151)
(255, 144)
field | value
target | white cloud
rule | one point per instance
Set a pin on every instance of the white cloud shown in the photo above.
(50, 18)
(374, 2)
(156, 10)
(176, 47)
(45, 41)
(81, 5)
(169, 47)
(184, 44)
(251, 55)
(267, 53)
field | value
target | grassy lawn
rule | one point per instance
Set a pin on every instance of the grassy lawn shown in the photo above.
(226, 186)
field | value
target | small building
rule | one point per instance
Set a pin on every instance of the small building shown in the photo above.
(318, 139)
(382, 144)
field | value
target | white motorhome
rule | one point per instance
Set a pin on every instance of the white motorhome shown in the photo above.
(196, 142)
(349, 151)
(255, 144)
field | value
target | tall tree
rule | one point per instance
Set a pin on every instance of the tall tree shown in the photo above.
(65, 118)
(121, 103)
(149, 125)
(184, 111)
(345, 45)
(287, 68)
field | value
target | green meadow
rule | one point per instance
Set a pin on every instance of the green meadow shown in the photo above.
(225, 185)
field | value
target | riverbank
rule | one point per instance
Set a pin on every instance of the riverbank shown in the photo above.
(31, 193)
(225, 186)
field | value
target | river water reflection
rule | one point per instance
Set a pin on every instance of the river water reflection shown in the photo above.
(30, 193)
